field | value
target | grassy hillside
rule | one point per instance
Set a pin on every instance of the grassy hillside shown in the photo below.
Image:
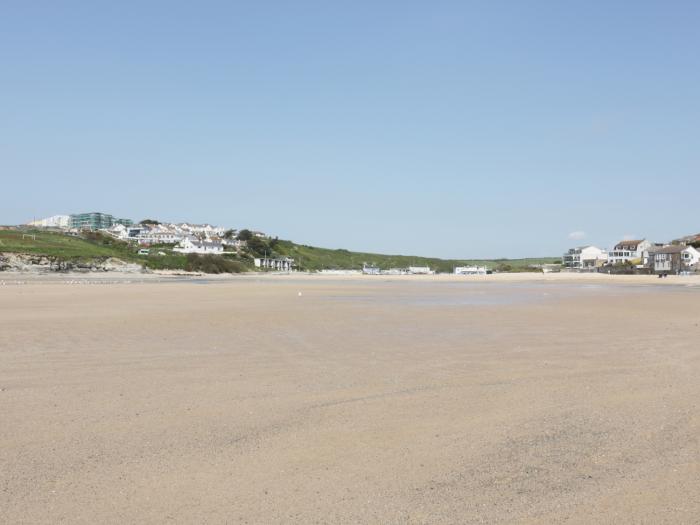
(98, 246)
(307, 257)
(57, 245)
(312, 258)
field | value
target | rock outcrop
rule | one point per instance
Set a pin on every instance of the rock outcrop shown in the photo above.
(23, 262)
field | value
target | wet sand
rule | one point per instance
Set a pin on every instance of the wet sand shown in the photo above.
(541, 399)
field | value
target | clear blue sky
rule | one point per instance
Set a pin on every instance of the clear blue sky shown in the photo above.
(453, 128)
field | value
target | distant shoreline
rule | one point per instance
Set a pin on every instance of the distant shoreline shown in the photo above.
(8, 278)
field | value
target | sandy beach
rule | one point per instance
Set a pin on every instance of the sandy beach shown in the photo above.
(343, 399)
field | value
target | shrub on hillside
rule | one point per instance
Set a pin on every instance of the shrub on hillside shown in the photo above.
(258, 247)
(503, 267)
(245, 235)
(212, 264)
(104, 240)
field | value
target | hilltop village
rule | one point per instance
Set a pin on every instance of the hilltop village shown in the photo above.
(153, 239)
(183, 238)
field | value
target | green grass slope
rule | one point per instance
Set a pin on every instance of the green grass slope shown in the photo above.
(310, 258)
(90, 246)
(57, 245)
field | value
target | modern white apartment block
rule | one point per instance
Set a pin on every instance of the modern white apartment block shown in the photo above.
(55, 221)
(584, 257)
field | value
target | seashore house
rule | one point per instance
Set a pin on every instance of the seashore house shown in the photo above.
(630, 252)
(674, 259)
(584, 258)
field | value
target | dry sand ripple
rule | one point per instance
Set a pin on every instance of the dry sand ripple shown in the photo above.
(362, 401)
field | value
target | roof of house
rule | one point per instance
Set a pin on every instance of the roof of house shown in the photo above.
(672, 248)
(635, 243)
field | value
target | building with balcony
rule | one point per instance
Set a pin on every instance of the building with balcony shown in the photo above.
(636, 251)
(95, 221)
(584, 257)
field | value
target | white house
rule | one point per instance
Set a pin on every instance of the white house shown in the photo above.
(118, 231)
(420, 270)
(190, 245)
(204, 229)
(470, 270)
(690, 257)
(126, 233)
(626, 251)
(162, 236)
(584, 257)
